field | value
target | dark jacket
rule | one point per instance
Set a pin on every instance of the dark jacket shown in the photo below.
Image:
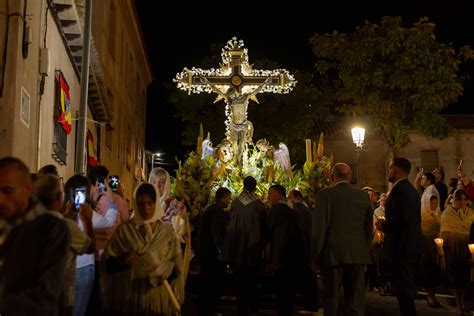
(402, 227)
(305, 216)
(212, 232)
(243, 244)
(289, 248)
(342, 226)
(34, 263)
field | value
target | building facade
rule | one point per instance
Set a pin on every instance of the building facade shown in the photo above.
(41, 45)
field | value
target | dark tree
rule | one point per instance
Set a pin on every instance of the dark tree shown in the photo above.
(401, 77)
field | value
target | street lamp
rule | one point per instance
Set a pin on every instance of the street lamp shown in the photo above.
(358, 134)
(153, 159)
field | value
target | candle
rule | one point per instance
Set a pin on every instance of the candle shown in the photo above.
(439, 242)
(471, 248)
(308, 150)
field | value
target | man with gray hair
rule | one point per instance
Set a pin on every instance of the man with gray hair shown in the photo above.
(48, 189)
(340, 241)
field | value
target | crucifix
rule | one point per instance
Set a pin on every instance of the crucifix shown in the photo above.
(236, 82)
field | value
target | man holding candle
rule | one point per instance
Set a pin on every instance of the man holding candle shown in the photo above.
(402, 230)
(456, 223)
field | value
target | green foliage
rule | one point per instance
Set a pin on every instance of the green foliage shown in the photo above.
(197, 179)
(315, 177)
(400, 77)
(193, 183)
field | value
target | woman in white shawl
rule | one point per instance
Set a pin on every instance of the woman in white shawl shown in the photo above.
(456, 223)
(140, 256)
(173, 214)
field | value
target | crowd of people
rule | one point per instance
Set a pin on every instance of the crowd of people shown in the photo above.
(80, 247)
(431, 241)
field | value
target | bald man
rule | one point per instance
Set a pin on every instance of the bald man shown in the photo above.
(340, 240)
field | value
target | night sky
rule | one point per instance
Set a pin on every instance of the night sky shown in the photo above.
(179, 36)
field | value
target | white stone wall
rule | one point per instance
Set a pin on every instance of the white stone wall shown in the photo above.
(59, 60)
(373, 158)
(450, 151)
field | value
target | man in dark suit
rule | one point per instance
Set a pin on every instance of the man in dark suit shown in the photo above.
(340, 240)
(289, 249)
(402, 230)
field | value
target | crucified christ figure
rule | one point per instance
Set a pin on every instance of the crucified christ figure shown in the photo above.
(238, 125)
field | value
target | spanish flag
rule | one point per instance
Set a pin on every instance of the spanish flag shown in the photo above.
(65, 116)
(91, 153)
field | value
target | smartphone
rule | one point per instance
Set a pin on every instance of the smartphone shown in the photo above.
(101, 184)
(114, 181)
(79, 197)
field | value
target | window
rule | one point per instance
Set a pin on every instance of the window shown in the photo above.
(429, 159)
(112, 16)
(59, 144)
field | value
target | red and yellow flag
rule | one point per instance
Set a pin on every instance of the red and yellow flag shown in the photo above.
(64, 99)
(91, 153)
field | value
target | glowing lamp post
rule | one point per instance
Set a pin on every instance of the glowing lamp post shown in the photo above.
(358, 134)
(158, 155)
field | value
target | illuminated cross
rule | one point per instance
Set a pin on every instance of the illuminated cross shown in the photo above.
(236, 82)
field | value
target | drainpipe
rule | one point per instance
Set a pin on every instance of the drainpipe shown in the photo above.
(43, 66)
(80, 166)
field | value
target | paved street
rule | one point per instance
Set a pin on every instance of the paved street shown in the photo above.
(376, 305)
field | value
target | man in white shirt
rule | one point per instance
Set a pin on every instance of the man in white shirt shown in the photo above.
(427, 181)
